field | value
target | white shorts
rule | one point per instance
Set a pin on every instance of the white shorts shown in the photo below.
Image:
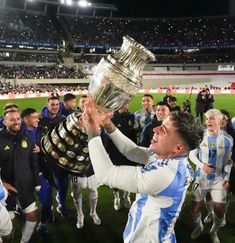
(85, 182)
(218, 196)
(5, 222)
(32, 207)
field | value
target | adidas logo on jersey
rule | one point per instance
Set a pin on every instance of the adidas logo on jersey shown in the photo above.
(6, 148)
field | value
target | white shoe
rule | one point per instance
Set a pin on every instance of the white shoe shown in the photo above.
(223, 222)
(214, 237)
(96, 219)
(127, 202)
(209, 218)
(80, 222)
(197, 231)
(117, 204)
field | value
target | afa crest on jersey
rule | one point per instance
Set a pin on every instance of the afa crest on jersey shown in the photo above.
(212, 144)
(24, 144)
(6, 148)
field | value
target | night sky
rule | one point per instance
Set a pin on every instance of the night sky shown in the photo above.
(169, 8)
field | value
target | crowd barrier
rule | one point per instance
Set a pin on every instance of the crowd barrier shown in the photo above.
(81, 92)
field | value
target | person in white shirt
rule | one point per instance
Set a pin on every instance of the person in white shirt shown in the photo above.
(213, 160)
(5, 219)
(162, 183)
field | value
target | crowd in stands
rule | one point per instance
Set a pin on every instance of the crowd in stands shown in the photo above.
(178, 36)
(11, 88)
(169, 58)
(14, 88)
(29, 57)
(40, 72)
(195, 58)
(199, 32)
(88, 58)
(22, 26)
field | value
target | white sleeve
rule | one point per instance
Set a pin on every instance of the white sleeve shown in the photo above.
(194, 159)
(129, 149)
(128, 178)
(229, 164)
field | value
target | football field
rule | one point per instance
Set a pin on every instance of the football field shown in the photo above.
(225, 101)
(113, 222)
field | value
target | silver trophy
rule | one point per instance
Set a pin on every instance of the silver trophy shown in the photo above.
(116, 79)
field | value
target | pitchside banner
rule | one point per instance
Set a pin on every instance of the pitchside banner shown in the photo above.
(226, 68)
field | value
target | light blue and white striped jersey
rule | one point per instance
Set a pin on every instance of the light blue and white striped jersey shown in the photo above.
(3, 195)
(152, 217)
(142, 118)
(216, 151)
(233, 122)
(161, 183)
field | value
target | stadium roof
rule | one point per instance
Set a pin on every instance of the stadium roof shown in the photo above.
(70, 7)
(131, 8)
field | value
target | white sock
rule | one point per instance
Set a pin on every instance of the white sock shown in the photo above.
(216, 224)
(116, 194)
(93, 204)
(197, 218)
(209, 206)
(78, 204)
(27, 231)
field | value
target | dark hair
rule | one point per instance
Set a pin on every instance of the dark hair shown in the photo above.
(226, 113)
(148, 95)
(69, 96)
(163, 103)
(229, 127)
(172, 98)
(53, 98)
(189, 128)
(27, 112)
(83, 96)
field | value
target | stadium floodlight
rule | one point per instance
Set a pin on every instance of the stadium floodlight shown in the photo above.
(62, 1)
(69, 2)
(84, 3)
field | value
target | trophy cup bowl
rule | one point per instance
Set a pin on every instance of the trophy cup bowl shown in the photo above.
(116, 79)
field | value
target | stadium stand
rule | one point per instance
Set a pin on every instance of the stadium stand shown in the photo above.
(210, 32)
(39, 72)
(18, 26)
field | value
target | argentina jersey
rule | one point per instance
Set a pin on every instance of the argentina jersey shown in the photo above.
(3, 194)
(142, 118)
(152, 217)
(216, 151)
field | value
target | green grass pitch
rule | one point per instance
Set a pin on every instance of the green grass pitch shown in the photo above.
(113, 222)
